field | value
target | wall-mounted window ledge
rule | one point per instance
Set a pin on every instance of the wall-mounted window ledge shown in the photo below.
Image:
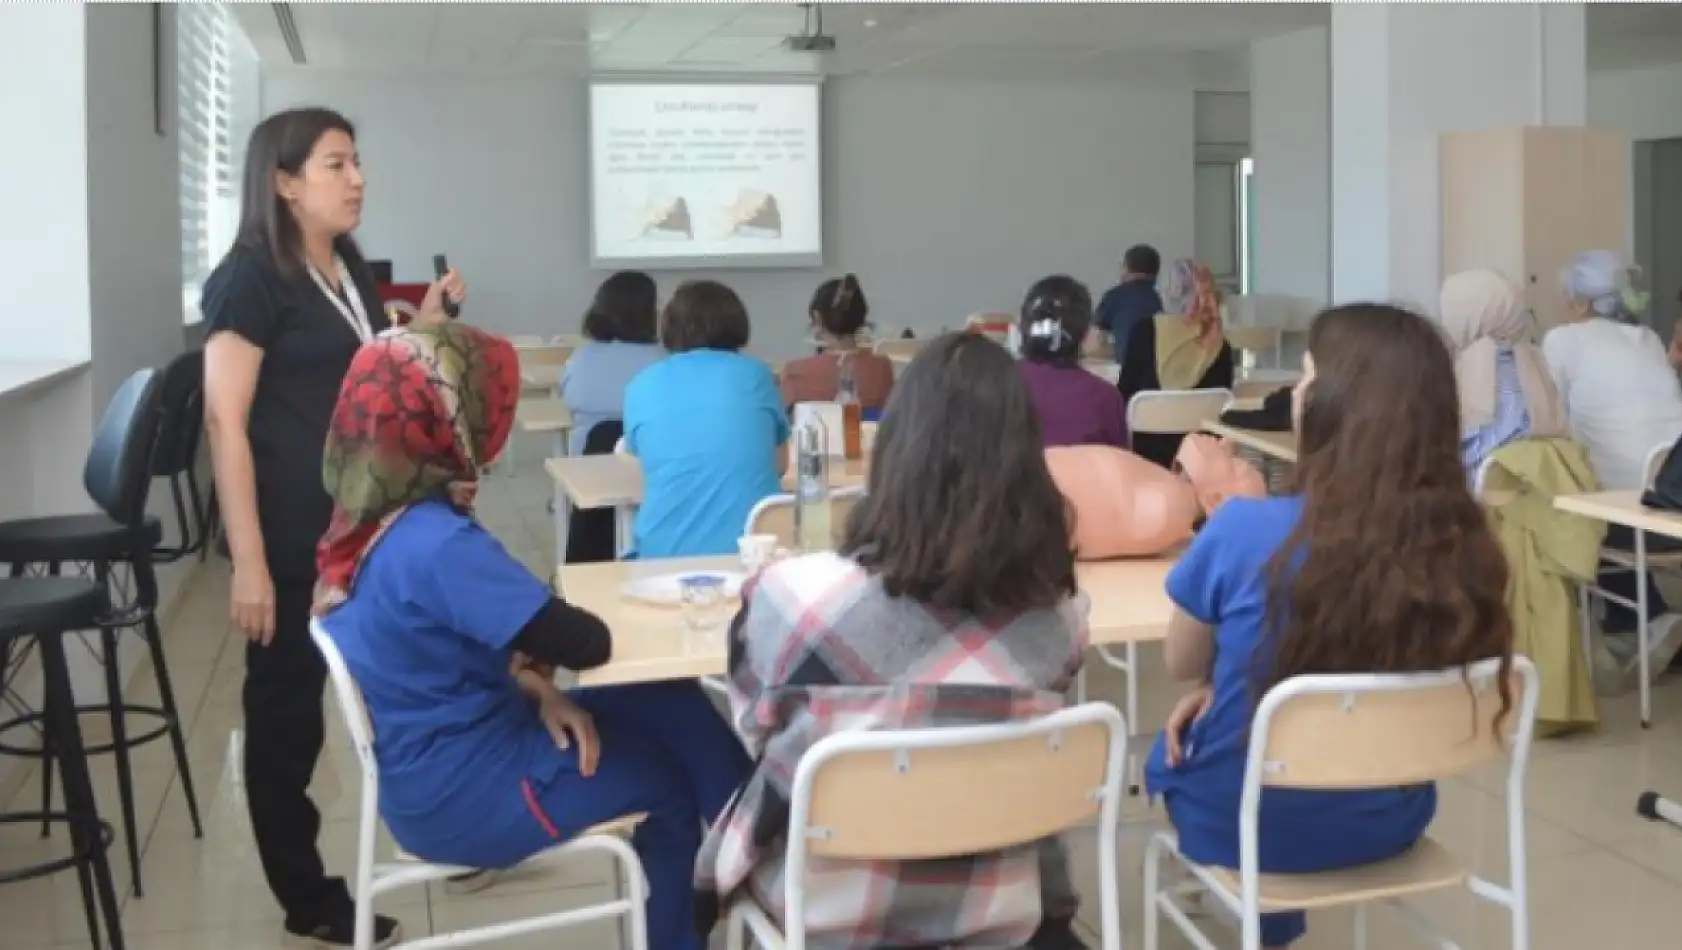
(22, 376)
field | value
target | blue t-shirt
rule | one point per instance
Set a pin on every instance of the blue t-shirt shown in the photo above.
(1222, 581)
(594, 380)
(426, 634)
(706, 425)
(1123, 307)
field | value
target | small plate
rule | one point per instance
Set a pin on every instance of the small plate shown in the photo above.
(666, 590)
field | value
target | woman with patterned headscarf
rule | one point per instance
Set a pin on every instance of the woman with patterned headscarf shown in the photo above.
(1181, 348)
(454, 644)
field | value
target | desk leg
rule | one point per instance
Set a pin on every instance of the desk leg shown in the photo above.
(1655, 807)
(558, 447)
(622, 515)
(1643, 628)
(563, 518)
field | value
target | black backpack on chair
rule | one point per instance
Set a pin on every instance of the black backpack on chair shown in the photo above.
(1665, 493)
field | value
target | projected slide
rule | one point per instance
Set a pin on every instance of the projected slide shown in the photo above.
(700, 175)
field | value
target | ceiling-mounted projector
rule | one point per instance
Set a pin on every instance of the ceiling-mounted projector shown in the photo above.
(811, 39)
(810, 43)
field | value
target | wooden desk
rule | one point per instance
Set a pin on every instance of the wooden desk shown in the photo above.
(1129, 604)
(586, 482)
(1275, 445)
(540, 366)
(1622, 507)
(547, 415)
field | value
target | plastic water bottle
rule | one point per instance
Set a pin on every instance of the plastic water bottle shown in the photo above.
(812, 530)
(852, 413)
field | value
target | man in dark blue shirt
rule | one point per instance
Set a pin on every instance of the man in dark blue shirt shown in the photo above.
(1131, 301)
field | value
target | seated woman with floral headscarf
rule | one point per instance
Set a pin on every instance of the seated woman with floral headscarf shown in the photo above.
(1182, 348)
(454, 644)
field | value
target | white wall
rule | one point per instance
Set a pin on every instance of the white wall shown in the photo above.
(1290, 122)
(43, 104)
(1645, 104)
(134, 210)
(128, 245)
(944, 197)
(1223, 119)
(1401, 76)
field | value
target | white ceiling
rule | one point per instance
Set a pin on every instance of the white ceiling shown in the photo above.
(1205, 41)
(910, 39)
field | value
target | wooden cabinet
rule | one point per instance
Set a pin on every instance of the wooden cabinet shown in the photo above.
(1525, 201)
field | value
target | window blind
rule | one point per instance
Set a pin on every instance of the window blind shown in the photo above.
(217, 89)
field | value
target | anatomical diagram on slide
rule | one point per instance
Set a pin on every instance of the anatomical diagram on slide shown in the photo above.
(754, 215)
(667, 219)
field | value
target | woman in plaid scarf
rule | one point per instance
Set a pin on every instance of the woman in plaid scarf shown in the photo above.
(952, 601)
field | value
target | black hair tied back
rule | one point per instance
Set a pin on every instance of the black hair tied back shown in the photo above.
(844, 293)
(1055, 316)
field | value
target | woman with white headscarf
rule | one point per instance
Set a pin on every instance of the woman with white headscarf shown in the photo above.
(1623, 400)
(1506, 391)
(1184, 347)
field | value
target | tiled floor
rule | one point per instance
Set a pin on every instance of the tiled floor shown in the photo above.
(1599, 876)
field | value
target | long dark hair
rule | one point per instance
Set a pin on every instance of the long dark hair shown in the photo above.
(1392, 567)
(283, 142)
(840, 306)
(961, 512)
(625, 308)
(1064, 302)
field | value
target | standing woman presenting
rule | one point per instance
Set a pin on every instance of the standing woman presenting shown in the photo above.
(287, 308)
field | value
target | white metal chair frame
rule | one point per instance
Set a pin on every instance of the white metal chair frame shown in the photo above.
(746, 917)
(1619, 562)
(1258, 768)
(1200, 405)
(374, 879)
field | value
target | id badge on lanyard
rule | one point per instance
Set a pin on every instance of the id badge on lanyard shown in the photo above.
(349, 304)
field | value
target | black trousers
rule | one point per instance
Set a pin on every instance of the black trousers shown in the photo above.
(284, 731)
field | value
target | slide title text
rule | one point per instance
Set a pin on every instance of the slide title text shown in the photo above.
(690, 106)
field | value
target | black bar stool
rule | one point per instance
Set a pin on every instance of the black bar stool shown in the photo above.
(118, 477)
(180, 434)
(47, 609)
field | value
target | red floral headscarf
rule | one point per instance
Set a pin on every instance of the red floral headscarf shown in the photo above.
(422, 411)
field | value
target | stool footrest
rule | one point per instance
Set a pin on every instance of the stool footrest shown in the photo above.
(102, 709)
(30, 872)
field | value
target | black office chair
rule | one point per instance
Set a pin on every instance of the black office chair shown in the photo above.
(118, 477)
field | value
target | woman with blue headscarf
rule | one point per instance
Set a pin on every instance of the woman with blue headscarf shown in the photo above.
(1623, 400)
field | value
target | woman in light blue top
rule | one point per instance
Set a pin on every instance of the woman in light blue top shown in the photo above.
(709, 426)
(620, 327)
(1506, 392)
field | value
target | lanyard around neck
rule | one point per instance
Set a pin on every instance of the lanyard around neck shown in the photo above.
(349, 304)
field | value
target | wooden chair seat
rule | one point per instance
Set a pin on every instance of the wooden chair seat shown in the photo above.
(1427, 866)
